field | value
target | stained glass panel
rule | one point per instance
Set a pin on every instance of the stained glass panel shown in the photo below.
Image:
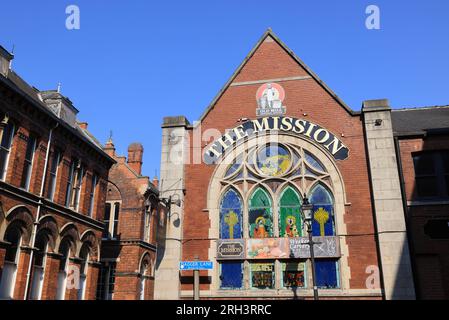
(315, 163)
(293, 274)
(274, 160)
(326, 274)
(323, 222)
(260, 215)
(290, 215)
(231, 275)
(231, 216)
(262, 275)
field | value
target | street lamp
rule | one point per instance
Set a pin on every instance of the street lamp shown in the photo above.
(307, 216)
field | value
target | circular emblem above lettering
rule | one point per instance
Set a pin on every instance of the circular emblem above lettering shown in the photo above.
(269, 99)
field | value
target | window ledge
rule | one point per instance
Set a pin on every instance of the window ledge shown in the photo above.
(416, 203)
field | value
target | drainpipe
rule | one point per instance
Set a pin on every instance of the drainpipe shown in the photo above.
(38, 213)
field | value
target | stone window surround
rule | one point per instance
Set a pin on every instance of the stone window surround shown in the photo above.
(213, 201)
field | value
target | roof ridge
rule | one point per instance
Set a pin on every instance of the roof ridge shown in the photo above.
(421, 108)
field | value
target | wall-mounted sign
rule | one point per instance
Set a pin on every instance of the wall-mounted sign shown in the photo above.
(298, 127)
(324, 247)
(231, 249)
(196, 265)
(269, 99)
(277, 248)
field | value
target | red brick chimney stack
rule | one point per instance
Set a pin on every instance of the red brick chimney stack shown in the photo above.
(135, 156)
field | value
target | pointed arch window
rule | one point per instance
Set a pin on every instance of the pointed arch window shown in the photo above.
(324, 225)
(231, 216)
(231, 273)
(260, 215)
(290, 214)
(262, 193)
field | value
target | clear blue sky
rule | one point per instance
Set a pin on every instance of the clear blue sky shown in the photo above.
(133, 62)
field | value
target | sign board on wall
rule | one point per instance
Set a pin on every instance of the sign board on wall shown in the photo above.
(288, 125)
(231, 249)
(196, 265)
(277, 248)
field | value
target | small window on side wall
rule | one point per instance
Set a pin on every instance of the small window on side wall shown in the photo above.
(431, 174)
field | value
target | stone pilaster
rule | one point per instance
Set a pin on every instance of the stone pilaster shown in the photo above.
(174, 153)
(388, 208)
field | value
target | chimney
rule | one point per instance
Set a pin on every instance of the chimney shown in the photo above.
(135, 155)
(156, 181)
(109, 148)
(83, 125)
(5, 61)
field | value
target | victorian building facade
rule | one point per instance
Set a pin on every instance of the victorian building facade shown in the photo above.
(131, 219)
(53, 185)
(275, 137)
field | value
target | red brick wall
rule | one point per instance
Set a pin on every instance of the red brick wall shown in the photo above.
(431, 257)
(129, 188)
(270, 61)
(28, 119)
(50, 284)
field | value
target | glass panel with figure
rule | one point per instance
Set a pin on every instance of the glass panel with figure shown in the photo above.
(260, 215)
(290, 214)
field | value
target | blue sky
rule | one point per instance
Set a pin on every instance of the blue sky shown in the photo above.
(134, 62)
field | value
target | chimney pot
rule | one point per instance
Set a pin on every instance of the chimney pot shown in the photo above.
(83, 125)
(156, 181)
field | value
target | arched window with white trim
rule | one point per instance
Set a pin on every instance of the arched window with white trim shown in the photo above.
(39, 262)
(84, 256)
(9, 273)
(64, 251)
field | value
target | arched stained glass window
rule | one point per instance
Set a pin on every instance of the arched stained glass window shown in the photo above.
(260, 215)
(231, 216)
(324, 225)
(323, 222)
(289, 214)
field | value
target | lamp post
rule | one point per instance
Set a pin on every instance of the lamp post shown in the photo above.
(307, 215)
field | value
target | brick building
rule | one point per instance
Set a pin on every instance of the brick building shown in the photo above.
(53, 184)
(131, 222)
(274, 137)
(422, 142)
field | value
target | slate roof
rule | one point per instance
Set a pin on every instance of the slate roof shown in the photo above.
(16, 83)
(420, 121)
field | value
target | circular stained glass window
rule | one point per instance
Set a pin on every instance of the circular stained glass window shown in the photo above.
(273, 160)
